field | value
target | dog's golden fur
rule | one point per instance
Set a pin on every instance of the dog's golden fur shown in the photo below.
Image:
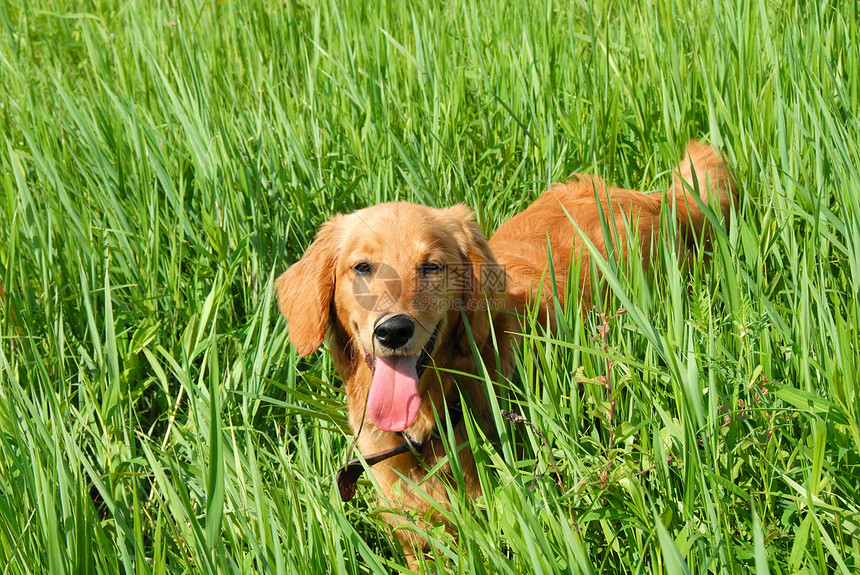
(413, 243)
(520, 244)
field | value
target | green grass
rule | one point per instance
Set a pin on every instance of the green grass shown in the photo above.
(161, 161)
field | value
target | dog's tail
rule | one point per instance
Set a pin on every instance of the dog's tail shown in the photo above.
(701, 172)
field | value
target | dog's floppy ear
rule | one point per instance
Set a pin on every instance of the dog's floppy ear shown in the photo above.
(306, 289)
(487, 286)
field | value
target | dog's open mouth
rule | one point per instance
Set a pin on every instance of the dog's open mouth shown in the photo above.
(394, 401)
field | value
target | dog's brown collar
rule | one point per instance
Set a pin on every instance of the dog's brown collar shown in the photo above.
(347, 476)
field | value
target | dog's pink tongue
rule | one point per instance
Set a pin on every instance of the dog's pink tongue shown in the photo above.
(393, 402)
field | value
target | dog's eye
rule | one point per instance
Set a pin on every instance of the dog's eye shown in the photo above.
(430, 268)
(362, 268)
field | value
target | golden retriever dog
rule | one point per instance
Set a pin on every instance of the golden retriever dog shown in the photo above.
(402, 292)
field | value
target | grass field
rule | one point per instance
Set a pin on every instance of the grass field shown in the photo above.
(162, 161)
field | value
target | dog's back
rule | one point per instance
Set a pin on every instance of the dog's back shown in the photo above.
(520, 244)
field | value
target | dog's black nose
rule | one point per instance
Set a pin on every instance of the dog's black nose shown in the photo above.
(396, 332)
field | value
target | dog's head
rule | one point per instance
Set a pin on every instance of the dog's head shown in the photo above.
(392, 282)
